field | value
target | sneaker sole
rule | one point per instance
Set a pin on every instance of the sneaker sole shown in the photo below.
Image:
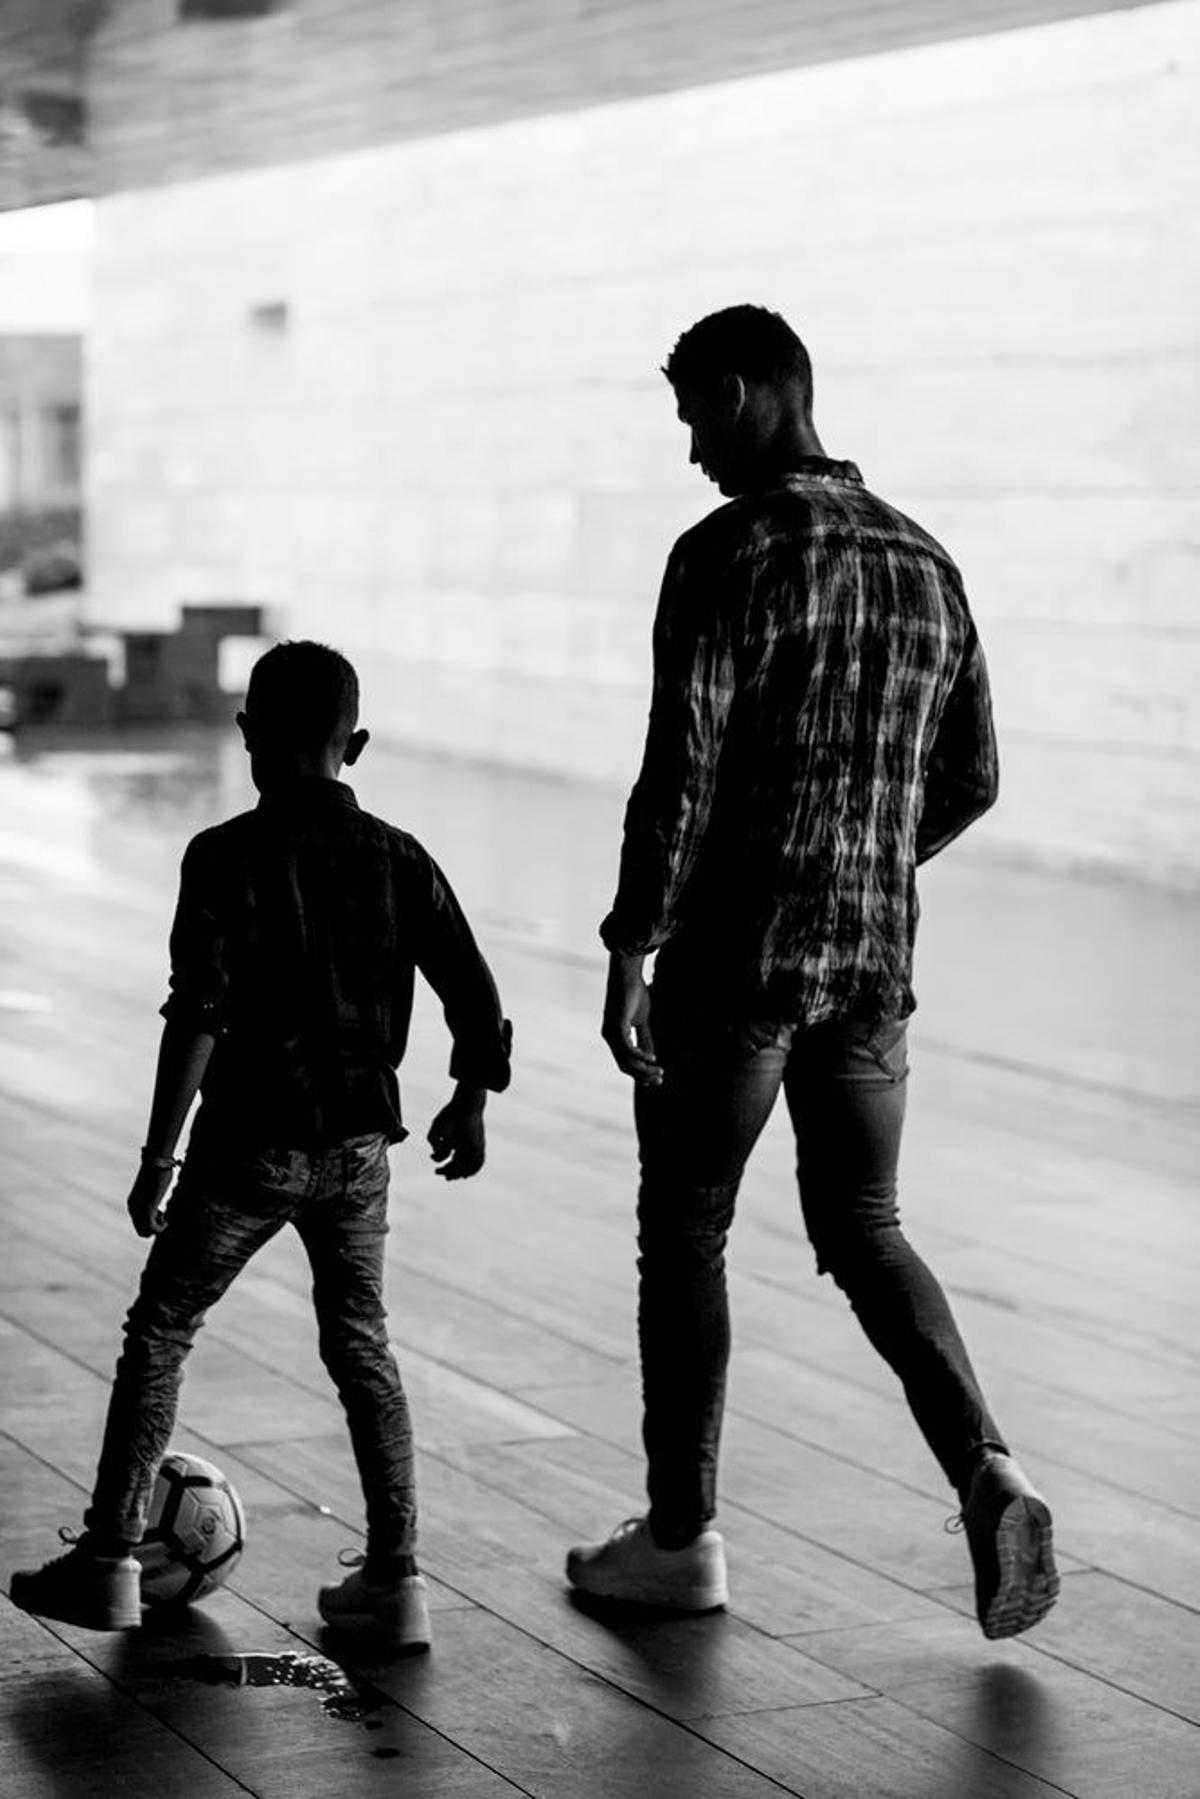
(709, 1597)
(367, 1624)
(1028, 1580)
(120, 1615)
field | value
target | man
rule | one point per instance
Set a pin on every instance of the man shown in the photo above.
(820, 724)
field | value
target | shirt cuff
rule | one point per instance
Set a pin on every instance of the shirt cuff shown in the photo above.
(484, 1064)
(194, 1010)
(622, 940)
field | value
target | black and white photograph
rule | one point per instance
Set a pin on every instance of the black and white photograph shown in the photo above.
(599, 899)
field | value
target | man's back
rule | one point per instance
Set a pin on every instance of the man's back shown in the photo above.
(812, 638)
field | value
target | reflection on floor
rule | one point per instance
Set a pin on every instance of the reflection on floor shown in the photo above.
(1049, 1175)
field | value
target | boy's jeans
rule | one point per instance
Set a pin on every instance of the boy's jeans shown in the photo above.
(845, 1087)
(220, 1213)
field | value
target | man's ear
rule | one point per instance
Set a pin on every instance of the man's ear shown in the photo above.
(240, 721)
(733, 395)
(356, 743)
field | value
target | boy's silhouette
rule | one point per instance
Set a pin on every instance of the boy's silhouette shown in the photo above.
(298, 931)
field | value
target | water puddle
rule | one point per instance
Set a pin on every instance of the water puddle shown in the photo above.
(349, 1701)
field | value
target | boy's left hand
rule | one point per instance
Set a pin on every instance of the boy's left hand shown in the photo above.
(144, 1204)
(457, 1140)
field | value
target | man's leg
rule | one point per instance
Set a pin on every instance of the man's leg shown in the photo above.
(343, 1227)
(695, 1133)
(845, 1087)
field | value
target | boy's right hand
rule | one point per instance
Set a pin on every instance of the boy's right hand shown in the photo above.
(457, 1138)
(144, 1204)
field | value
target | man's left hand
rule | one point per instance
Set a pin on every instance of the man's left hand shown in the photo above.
(144, 1204)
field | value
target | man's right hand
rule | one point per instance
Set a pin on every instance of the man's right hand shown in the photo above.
(626, 1026)
(456, 1137)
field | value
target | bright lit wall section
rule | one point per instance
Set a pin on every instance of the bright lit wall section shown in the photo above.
(409, 395)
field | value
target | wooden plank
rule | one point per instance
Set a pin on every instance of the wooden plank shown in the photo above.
(1131, 1640)
(66, 1732)
(1068, 1729)
(870, 1749)
(842, 1416)
(299, 1726)
(556, 1730)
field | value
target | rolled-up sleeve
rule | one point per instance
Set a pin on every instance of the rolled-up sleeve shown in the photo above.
(451, 961)
(199, 979)
(671, 802)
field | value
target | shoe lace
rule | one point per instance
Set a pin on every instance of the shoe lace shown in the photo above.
(351, 1558)
(954, 1524)
(626, 1528)
(72, 1538)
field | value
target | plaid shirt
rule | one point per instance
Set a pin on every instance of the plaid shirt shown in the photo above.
(820, 723)
(298, 933)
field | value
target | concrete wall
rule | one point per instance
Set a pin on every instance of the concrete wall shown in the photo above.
(409, 396)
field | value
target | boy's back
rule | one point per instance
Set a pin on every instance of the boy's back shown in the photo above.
(299, 929)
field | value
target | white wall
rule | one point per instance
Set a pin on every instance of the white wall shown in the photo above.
(45, 270)
(458, 461)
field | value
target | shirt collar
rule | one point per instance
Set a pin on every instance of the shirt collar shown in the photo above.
(308, 793)
(822, 468)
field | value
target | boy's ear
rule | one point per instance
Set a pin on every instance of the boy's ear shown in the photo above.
(356, 743)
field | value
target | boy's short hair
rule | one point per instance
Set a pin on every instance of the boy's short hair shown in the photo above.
(749, 341)
(302, 695)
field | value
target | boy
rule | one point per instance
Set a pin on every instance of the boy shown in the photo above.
(297, 934)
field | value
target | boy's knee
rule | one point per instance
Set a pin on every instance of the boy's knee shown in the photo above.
(358, 1357)
(158, 1323)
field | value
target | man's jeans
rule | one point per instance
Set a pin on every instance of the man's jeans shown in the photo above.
(845, 1089)
(219, 1215)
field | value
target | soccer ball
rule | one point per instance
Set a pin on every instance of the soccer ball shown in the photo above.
(195, 1532)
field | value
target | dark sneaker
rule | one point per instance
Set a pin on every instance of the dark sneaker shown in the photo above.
(100, 1592)
(632, 1568)
(396, 1612)
(1010, 1534)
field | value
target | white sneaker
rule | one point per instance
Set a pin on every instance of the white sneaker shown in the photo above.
(98, 1592)
(630, 1566)
(1011, 1537)
(397, 1613)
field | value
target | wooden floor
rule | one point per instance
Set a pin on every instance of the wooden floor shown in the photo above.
(1050, 1175)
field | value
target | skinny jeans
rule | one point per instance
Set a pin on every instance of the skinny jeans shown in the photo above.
(844, 1084)
(220, 1214)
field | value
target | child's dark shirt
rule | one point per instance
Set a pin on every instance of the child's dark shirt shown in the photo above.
(298, 931)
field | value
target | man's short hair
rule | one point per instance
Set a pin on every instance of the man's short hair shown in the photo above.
(302, 695)
(749, 341)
